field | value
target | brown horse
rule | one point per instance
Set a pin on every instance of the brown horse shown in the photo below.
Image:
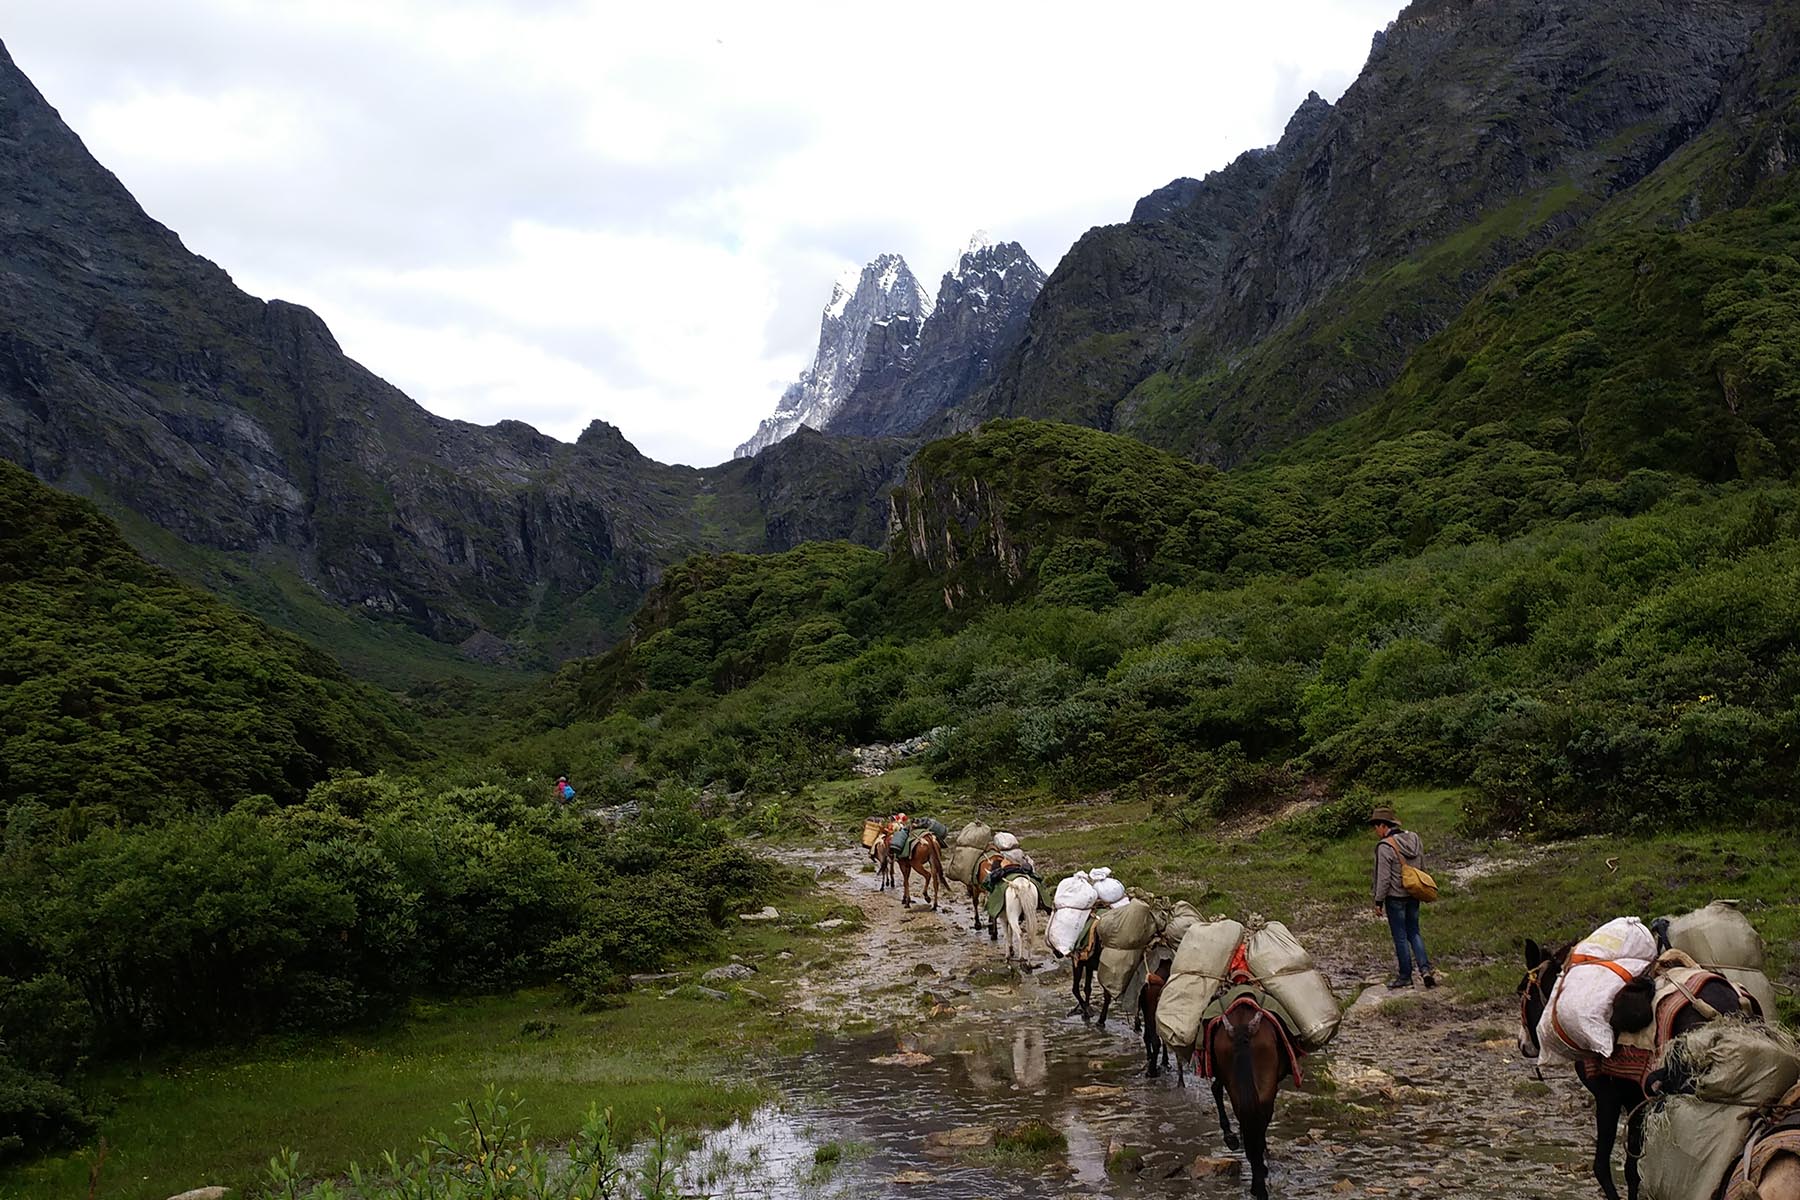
(1613, 1096)
(1248, 1064)
(978, 895)
(883, 854)
(922, 855)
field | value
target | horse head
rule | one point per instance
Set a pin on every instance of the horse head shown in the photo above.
(1541, 968)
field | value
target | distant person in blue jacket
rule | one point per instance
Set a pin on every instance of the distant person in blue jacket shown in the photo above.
(565, 791)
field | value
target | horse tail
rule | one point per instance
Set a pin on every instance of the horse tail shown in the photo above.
(1243, 1068)
(937, 863)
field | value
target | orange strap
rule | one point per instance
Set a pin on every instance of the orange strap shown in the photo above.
(1579, 960)
(1583, 960)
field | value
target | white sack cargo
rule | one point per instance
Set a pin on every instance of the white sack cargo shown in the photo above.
(1184, 999)
(1076, 892)
(1206, 950)
(1577, 1022)
(975, 834)
(1005, 841)
(1285, 970)
(1099, 873)
(1110, 890)
(1130, 926)
(1722, 939)
(1689, 1148)
(1065, 926)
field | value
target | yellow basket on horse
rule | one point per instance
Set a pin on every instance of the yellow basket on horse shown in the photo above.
(871, 832)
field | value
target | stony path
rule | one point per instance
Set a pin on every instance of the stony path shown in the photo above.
(1417, 1096)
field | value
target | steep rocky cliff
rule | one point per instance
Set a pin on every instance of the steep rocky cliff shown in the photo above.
(135, 372)
(1477, 134)
(1234, 315)
(875, 298)
(979, 316)
(1119, 302)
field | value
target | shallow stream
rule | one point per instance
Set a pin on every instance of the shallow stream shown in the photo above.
(1407, 1100)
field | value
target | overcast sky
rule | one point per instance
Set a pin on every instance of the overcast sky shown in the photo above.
(558, 211)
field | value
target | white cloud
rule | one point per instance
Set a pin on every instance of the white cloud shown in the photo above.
(558, 212)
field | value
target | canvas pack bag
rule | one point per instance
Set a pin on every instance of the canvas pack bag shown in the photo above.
(1285, 970)
(1722, 939)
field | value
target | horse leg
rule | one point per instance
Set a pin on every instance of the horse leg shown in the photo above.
(1255, 1127)
(905, 884)
(1634, 1146)
(1105, 1006)
(1218, 1089)
(1606, 1131)
(974, 906)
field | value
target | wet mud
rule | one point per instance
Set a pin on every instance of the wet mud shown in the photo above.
(1416, 1096)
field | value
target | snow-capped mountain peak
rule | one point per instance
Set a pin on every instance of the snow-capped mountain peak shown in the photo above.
(884, 289)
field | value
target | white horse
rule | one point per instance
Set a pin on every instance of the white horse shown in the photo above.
(1021, 918)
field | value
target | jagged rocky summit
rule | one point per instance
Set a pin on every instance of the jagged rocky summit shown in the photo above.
(889, 373)
(883, 291)
(136, 373)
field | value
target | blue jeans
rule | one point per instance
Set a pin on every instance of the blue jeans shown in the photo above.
(1409, 947)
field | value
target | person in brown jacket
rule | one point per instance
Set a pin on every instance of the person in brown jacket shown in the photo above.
(1393, 846)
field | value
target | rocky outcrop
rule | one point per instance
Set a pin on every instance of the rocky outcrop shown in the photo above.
(136, 373)
(978, 318)
(1237, 313)
(884, 290)
(1122, 298)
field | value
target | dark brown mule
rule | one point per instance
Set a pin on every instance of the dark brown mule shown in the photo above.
(1248, 1064)
(1156, 1052)
(1613, 1096)
(923, 856)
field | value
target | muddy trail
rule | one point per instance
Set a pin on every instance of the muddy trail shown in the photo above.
(1417, 1095)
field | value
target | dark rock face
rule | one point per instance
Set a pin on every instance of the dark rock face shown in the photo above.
(886, 302)
(134, 371)
(979, 316)
(1237, 313)
(1120, 300)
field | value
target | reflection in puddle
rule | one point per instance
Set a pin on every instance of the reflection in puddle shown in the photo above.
(1013, 1062)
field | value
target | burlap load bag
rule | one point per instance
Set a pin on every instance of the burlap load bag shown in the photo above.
(1285, 970)
(1722, 939)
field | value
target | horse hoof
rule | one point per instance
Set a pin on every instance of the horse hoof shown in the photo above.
(1232, 1143)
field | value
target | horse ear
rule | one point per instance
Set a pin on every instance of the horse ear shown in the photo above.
(1534, 954)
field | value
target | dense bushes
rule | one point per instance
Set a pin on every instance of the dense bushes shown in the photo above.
(1616, 673)
(206, 928)
(134, 695)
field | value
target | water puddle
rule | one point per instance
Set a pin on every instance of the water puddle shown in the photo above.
(1422, 1107)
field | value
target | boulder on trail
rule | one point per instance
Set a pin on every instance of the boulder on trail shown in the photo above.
(766, 914)
(729, 973)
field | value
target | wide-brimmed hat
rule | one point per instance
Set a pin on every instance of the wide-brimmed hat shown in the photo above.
(1383, 816)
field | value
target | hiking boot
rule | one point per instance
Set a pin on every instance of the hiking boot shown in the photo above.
(1395, 985)
(1431, 979)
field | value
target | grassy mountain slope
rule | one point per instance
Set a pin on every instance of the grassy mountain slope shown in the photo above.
(128, 692)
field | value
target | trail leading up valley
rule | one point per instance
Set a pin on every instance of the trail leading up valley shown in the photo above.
(937, 1044)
